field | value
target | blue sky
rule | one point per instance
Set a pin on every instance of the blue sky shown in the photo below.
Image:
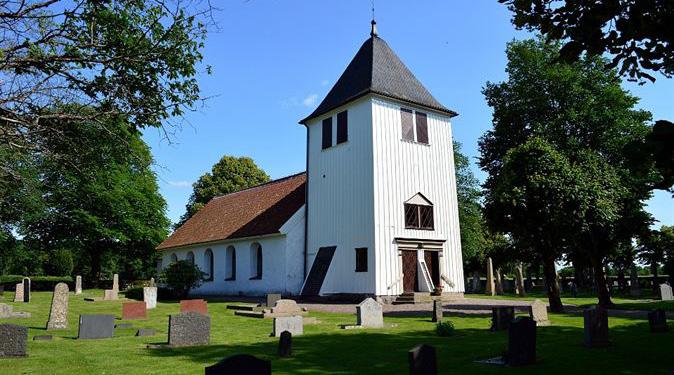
(273, 62)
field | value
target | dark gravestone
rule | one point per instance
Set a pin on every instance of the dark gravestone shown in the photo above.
(96, 326)
(13, 340)
(26, 289)
(240, 364)
(42, 338)
(285, 344)
(422, 360)
(123, 325)
(272, 298)
(501, 317)
(188, 329)
(521, 342)
(596, 327)
(657, 320)
(146, 332)
(437, 311)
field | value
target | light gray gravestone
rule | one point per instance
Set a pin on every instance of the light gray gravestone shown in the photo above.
(189, 329)
(369, 314)
(538, 311)
(26, 289)
(13, 340)
(109, 295)
(490, 288)
(58, 315)
(150, 296)
(665, 292)
(96, 326)
(146, 332)
(18, 292)
(437, 311)
(272, 298)
(595, 327)
(292, 324)
(78, 284)
(115, 283)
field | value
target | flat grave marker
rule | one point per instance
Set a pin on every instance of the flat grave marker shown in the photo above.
(96, 326)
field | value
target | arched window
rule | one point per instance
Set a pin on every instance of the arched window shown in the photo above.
(230, 259)
(256, 261)
(208, 265)
(174, 258)
(419, 213)
(190, 257)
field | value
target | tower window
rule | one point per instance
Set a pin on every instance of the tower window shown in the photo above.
(342, 127)
(361, 259)
(422, 128)
(327, 133)
(407, 123)
(414, 126)
(419, 213)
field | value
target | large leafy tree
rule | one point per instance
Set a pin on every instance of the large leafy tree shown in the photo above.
(228, 175)
(580, 110)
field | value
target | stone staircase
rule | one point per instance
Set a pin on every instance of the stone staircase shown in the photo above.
(413, 298)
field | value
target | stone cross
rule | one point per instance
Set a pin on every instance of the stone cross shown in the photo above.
(595, 327)
(538, 311)
(521, 342)
(490, 288)
(13, 340)
(18, 292)
(635, 288)
(422, 360)
(189, 329)
(58, 315)
(26, 289)
(657, 320)
(501, 317)
(150, 296)
(665, 292)
(240, 364)
(519, 281)
(292, 324)
(437, 311)
(285, 344)
(78, 284)
(369, 313)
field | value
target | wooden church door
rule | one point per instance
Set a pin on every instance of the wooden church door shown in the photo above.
(409, 271)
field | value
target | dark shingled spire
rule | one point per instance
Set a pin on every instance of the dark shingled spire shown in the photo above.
(377, 69)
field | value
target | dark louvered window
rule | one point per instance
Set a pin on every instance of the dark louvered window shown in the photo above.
(327, 133)
(418, 216)
(422, 128)
(407, 124)
(342, 127)
(361, 259)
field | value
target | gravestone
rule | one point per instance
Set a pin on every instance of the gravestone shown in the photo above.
(18, 292)
(7, 311)
(152, 284)
(635, 288)
(519, 281)
(240, 364)
(538, 311)
(123, 325)
(665, 292)
(657, 320)
(26, 289)
(369, 314)
(521, 342)
(58, 315)
(43, 338)
(115, 283)
(286, 306)
(13, 340)
(422, 360)
(490, 288)
(501, 317)
(285, 344)
(437, 311)
(189, 329)
(292, 324)
(150, 296)
(134, 310)
(146, 332)
(272, 298)
(78, 284)
(595, 327)
(109, 295)
(96, 326)
(194, 305)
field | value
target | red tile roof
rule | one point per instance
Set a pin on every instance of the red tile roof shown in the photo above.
(251, 212)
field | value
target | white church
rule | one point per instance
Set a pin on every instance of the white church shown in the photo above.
(375, 213)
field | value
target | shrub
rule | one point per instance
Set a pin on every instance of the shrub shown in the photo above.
(181, 277)
(60, 262)
(444, 328)
(41, 283)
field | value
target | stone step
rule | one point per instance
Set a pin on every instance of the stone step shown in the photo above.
(245, 307)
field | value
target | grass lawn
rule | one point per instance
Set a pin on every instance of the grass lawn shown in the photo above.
(325, 349)
(621, 303)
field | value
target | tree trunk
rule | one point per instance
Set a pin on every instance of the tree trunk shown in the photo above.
(600, 282)
(551, 285)
(656, 284)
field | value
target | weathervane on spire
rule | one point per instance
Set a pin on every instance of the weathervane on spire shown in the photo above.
(373, 32)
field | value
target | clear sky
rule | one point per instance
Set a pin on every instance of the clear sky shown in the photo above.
(273, 62)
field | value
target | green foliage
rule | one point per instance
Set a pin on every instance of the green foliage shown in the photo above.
(60, 262)
(182, 276)
(444, 328)
(228, 175)
(45, 283)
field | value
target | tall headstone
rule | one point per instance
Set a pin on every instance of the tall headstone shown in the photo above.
(240, 364)
(501, 317)
(115, 283)
(292, 324)
(422, 360)
(521, 342)
(152, 284)
(498, 282)
(18, 292)
(26, 289)
(595, 327)
(437, 311)
(189, 329)
(58, 315)
(78, 284)
(635, 288)
(285, 344)
(13, 340)
(96, 326)
(272, 298)
(519, 281)
(665, 292)
(490, 288)
(369, 314)
(538, 311)
(657, 320)
(150, 296)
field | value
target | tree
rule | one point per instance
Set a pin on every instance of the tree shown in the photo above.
(581, 112)
(655, 248)
(181, 277)
(230, 174)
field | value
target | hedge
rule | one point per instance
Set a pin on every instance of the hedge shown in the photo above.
(36, 282)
